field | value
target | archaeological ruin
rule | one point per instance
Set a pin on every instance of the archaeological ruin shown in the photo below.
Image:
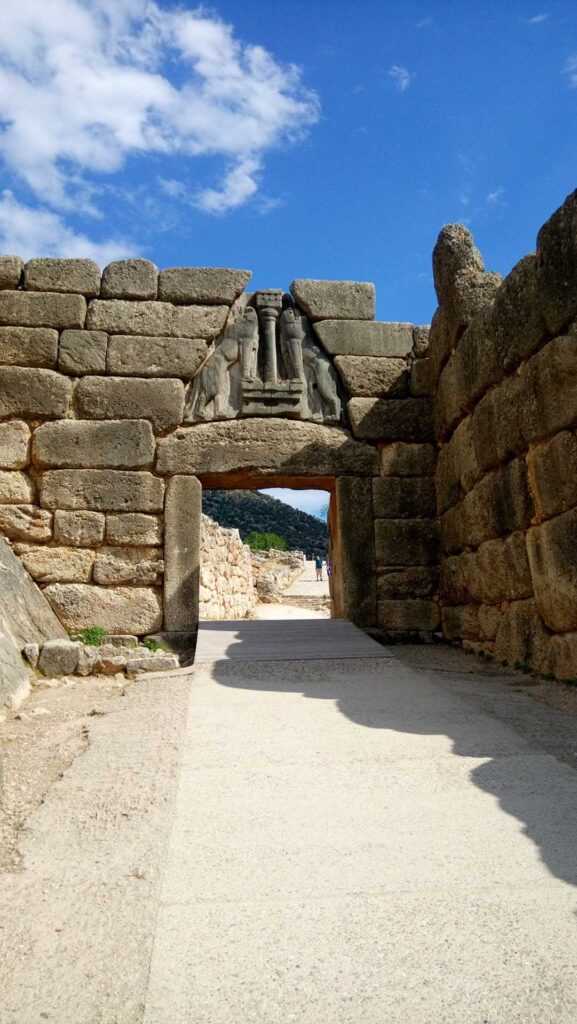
(449, 454)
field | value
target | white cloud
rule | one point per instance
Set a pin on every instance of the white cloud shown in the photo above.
(401, 77)
(537, 19)
(84, 87)
(494, 197)
(33, 231)
(570, 70)
(425, 22)
(307, 501)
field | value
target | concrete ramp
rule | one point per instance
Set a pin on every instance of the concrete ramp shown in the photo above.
(288, 640)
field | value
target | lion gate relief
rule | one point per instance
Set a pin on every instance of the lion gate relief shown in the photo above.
(265, 364)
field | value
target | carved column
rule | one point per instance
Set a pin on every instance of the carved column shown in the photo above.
(269, 305)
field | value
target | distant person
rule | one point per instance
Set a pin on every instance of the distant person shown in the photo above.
(329, 567)
(319, 568)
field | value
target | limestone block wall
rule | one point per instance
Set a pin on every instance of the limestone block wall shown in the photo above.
(98, 473)
(504, 355)
(227, 589)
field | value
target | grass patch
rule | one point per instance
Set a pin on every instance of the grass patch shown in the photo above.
(152, 645)
(91, 636)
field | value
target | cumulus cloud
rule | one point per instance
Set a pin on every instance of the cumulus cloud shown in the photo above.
(84, 87)
(401, 77)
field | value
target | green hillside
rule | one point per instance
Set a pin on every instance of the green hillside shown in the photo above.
(250, 510)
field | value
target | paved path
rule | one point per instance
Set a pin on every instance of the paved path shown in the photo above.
(369, 841)
(307, 584)
(292, 638)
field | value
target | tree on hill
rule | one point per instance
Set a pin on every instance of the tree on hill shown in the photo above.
(265, 541)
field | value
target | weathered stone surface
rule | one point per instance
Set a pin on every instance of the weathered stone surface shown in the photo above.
(290, 446)
(498, 571)
(182, 553)
(440, 340)
(42, 309)
(87, 657)
(563, 656)
(14, 675)
(31, 653)
(521, 636)
(84, 443)
(79, 529)
(557, 266)
(14, 445)
(457, 467)
(553, 474)
(423, 378)
(371, 376)
(393, 419)
(499, 504)
(108, 664)
(83, 352)
(157, 319)
(135, 355)
(454, 253)
(140, 565)
(16, 488)
(62, 275)
(407, 583)
(58, 657)
(25, 522)
(461, 622)
(489, 621)
(134, 528)
(120, 640)
(129, 279)
(10, 271)
(404, 498)
(104, 490)
(335, 300)
(409, 615)
(28, 346)
(405, 542)
(135, 610)
(26, 615)
(552, 548)
(354, 587)
(110, 398)
(421, 340)
(211, 285)
(365, 338)
(157, 663)
(518, 321)
(37, 394)
(56, 565)
(401, 459)
(458, 583)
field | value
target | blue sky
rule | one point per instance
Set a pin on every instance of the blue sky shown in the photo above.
(300, 139)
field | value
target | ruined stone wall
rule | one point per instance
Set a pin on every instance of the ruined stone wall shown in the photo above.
(504, 353)
(227, 589)
(99, 459)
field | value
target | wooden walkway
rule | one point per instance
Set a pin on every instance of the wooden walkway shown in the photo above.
(286, 640)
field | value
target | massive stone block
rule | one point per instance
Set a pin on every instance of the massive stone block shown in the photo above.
(104, 490)
(372, 376)
(518, 320)
(42, 309)
(404, 498)
(79, 529)
(110, 398)
(410, 582)
(10, 271)
(62, 275)
(210, 285)
(557, 266)
(393, 419)
(563, 656)
(14, 445)
(84, 443)
(461, 622)
(521, 636)
(25, 522)
(182, 553)
(28, 346)
(26, 615)
(16, 488)
(82, 352)
(139, 356)
(553, 474)
(357, 585)
(457, 467)
(335, 300)
(410, 615)
(56, 565)
(139, 565)
(133, 528)
(498, 571)
(499, 504)
(552, 548)
(421, 340)
(365, 338)
(406, 542)
(423, 378)
(136, 610)
(401, 459)
(129, 279)
(274, 446)
(34, 394)
(157, 319)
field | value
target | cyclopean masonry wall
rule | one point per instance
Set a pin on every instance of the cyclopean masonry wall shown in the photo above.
(504, 354)
(227, 589)
(122, 393)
